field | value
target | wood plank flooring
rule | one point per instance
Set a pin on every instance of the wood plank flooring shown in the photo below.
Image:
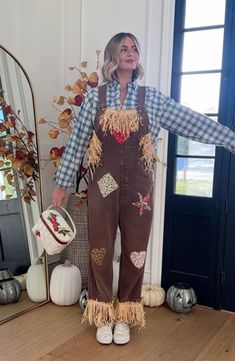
(54, 333)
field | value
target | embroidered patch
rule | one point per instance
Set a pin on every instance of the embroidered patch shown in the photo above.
(120, 137)
(37, 233)
(142, 204)
(97, 255)
(56, 225)
(107, 184)
(138, 258)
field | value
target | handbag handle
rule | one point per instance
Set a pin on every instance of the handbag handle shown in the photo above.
(69, 217)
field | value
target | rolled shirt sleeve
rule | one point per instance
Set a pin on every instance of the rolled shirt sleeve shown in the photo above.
(77, 144)
(190, 124)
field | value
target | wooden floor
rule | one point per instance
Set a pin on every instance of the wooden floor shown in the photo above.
(24, 303)
(54, 333)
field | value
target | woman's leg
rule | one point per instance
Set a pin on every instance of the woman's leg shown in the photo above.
(135, 225)
(103, 215)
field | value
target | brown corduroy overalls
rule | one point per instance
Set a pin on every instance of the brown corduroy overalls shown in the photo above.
(119, 194)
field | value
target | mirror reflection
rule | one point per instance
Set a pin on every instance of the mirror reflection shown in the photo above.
(23, 276)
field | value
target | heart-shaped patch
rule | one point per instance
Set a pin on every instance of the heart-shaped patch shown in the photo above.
(120, 137)
(138, 258)
(97, 255)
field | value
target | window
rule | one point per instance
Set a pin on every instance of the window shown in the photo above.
(200, 78)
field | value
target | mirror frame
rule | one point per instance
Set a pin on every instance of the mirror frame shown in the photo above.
(40, 188)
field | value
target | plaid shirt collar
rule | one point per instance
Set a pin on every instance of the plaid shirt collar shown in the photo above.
(113, 84)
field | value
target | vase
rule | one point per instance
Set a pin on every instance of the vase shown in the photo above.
(77, 252)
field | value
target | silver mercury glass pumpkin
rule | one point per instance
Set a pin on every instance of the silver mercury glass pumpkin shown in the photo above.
(181, 297)
(10, 291)
(5, 273)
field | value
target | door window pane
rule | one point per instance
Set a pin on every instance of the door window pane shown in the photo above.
(4, 163)
(204, 13)
(2, 133)
(194, 177)
(190, 147)
(201, 92)
(203, 50)
(7, 185)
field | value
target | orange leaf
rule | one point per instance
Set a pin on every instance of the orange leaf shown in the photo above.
(10, 138)
(27, 199)
(41, 121)
(76, 89)
(84, 84)
(71, 100)
(28, 170)
(9, 177)
(16, 164)
(53, 133)
(68, 88)
(59, 100)
(93, 80)
(64, 123)
(84, 64)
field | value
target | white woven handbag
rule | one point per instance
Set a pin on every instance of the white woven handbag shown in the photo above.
(53, 231)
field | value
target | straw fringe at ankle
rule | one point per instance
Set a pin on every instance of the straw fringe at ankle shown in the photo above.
(147, 150)
(98, 313)
(130, 312)
(120, 120)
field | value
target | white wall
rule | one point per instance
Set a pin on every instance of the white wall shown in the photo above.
(47, 36)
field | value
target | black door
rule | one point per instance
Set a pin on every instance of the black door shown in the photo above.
(200, 196)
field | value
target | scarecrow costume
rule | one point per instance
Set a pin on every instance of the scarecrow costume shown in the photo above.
(121, 142)
(120, 156)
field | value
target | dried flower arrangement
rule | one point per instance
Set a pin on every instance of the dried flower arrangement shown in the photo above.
(18, 153)
(68, 111)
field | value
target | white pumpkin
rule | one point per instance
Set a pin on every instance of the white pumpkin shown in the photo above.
(36, 282)
(116, 267)
(152, 295)
(65, 284)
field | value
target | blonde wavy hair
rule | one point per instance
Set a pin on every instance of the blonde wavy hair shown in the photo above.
(111, 54)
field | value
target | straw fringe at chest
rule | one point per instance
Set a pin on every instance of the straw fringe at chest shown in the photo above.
(147, 148)
(124, 122)
(120, 120)
(94, 151)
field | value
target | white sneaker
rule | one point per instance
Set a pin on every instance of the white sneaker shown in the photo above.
(104, 334)
(121, 333)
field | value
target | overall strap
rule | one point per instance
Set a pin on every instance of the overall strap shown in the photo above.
(102, 96)
(141, 97)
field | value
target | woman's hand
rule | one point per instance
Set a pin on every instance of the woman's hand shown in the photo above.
(58, 197)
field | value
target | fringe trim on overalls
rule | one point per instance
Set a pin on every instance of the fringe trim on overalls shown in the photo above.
(94, 151)
(130, 312)
(124, 121)
(98, 313)
(147, 150)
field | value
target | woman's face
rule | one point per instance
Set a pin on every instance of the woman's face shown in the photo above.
(128, 56)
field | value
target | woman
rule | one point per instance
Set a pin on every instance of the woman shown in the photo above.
(119, 123)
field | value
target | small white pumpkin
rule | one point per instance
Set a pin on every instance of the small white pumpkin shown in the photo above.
(65, 284)
(116, 267)
(152, 295)
(36, 282)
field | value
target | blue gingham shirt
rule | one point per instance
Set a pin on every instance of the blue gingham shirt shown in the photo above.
(162, 112)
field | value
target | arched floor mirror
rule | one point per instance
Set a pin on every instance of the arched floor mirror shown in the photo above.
(23, 262)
